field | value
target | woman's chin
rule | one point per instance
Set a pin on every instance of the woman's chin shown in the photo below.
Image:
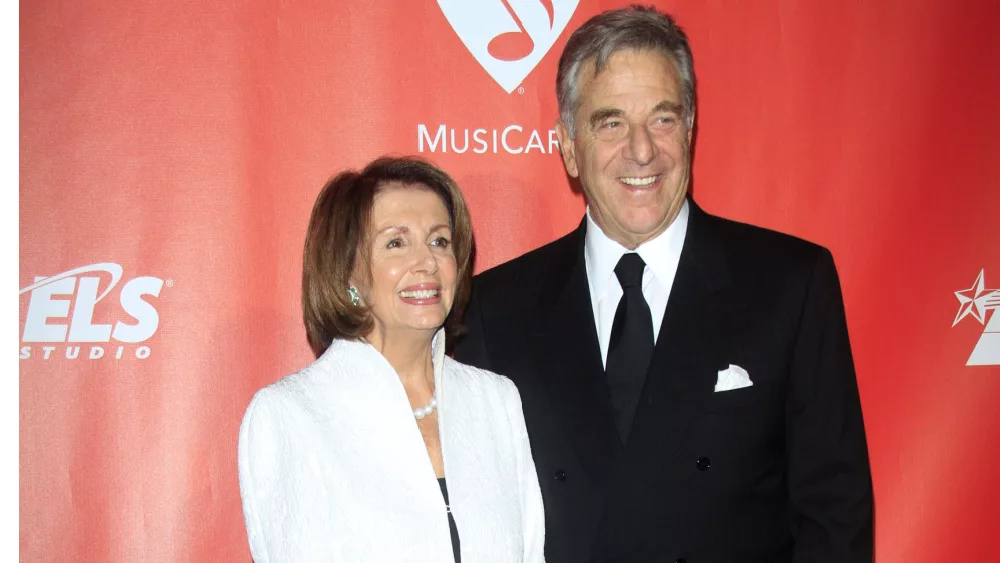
(417, 327)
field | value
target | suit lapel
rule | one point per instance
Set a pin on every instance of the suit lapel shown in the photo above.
(569, 356)
(690, 343)
(689, 347)
(686, 359)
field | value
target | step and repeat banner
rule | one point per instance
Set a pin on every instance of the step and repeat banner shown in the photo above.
(170, 153)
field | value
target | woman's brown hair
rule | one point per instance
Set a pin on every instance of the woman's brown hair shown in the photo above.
(338, 237)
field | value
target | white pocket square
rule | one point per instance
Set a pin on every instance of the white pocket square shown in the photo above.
(733, 377)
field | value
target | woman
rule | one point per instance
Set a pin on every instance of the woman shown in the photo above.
(384, 448)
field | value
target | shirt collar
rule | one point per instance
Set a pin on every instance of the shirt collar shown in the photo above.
(661, 253)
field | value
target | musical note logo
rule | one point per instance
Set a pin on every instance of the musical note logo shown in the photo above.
(515, 45)
(508, 37)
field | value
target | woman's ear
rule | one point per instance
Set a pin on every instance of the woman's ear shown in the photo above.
(357, 286)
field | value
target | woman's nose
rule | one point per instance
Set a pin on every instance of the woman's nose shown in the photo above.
(426, 261)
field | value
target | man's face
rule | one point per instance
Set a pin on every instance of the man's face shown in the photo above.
(632, 145)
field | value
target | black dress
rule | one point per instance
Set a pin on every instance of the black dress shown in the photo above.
(451, 522)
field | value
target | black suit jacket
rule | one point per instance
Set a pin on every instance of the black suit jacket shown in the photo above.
(774, 472)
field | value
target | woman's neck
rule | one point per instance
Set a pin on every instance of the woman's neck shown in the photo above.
(409, 354)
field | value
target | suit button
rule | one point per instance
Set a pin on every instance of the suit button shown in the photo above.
(560, 475)
(703, 463)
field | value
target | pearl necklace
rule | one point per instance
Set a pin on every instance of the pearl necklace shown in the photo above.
(426, 409)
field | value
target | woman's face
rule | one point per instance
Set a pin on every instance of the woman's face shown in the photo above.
(413, 265)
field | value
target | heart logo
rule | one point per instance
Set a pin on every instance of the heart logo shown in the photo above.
(508, 37)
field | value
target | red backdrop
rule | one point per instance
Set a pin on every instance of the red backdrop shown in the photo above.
(170, 153)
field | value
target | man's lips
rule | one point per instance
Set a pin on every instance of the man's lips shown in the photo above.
(639, 181)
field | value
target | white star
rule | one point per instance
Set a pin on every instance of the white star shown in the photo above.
(974, 300)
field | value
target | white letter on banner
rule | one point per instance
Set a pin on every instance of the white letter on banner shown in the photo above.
(142, 311)
(477, 136)
(503, 139)
(41, 306)
(534, 141)
(441, 137)
(80, 329)
(465, 147)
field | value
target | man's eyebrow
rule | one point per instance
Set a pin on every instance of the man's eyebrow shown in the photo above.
(604, 113)
(601, 114)
(667, 105)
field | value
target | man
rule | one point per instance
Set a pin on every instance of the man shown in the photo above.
(687, 381)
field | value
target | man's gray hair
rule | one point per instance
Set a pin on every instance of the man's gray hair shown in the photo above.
(633, 28)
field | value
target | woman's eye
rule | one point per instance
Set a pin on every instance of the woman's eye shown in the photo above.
(441, 242)
(394, 243)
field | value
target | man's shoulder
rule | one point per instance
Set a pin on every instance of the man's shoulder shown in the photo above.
(533, 267)
(758, 245)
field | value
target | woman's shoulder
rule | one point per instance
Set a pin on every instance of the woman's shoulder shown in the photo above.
(480, 378)
(290, 394)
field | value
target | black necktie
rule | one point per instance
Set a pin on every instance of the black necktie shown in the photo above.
(631, 344)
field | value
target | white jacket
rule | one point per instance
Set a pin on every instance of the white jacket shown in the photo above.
(333, 467)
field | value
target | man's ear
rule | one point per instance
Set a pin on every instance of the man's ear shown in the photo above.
(567, 149)
(690, 131)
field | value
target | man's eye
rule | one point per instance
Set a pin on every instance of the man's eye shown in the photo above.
(666, 121)
(612, 130)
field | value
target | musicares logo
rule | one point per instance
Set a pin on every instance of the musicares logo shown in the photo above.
(82, 298)
(977, 302)
(508, 37)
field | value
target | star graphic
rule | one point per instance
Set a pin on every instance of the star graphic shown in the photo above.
(976, 300)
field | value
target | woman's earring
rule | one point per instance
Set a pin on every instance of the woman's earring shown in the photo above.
(352, 292)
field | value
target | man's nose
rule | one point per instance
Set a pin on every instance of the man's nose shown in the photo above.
(641, 149)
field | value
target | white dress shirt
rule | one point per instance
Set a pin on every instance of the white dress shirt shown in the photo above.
(661, 255)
